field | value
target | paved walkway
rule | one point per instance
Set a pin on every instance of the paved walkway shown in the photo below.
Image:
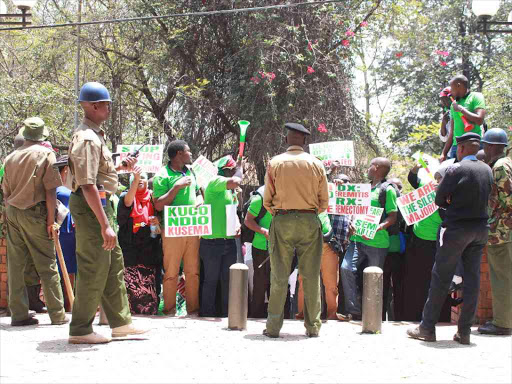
(197, 350)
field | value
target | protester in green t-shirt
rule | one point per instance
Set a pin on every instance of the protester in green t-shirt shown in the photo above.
(175, 185)
(394, 271)
(419, 260)
(362, 249)
(261, 278)
(218, 250)
(468, 107)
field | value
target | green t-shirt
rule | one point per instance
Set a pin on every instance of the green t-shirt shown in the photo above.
(326, 222)
(259, 241)
(381, 239)
(426, 229)
(165, 180)
(218, 197)
(472, 102)
(394, 244)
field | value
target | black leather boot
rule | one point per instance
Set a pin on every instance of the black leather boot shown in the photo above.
(34, 302)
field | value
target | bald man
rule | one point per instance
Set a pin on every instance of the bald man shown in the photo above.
(361, 248)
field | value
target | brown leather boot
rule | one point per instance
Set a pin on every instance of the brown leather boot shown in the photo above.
(421, 333)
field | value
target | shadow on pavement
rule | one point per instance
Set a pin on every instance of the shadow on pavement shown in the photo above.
(62, 346)
(10, 328)
(446, 344)
(282, 337)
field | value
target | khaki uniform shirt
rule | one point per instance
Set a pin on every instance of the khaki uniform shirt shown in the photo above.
(295, 180)
(500, 202)
(90, 160)
(29, 172)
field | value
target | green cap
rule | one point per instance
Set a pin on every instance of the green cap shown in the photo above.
(225, 162)
(34, 129)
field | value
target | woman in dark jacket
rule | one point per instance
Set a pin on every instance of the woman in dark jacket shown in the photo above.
(142, 249)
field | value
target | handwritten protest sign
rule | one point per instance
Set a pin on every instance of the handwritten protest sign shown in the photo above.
(349, 199)
(187, 220)
(367, 225)
(418, 204)
(341, 151)
(204, 170)
(150, 156)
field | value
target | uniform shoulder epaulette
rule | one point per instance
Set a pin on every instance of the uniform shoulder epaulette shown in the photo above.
(89, 135)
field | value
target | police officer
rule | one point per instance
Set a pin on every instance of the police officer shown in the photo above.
(29, 186)
(499, 247)
(295, 193)
(464, 192)
(99, 257)
(32, 281)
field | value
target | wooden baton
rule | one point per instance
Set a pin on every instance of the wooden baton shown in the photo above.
(63, 268)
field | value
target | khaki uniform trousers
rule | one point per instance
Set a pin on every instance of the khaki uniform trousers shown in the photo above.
(28, 242)
(329, 270)
(290, 233)
(175, 249)
(100, 273)
(31, 276)
(499, 257)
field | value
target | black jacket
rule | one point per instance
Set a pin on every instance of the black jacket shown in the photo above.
(468, 185)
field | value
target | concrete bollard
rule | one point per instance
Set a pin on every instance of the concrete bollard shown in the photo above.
(372, 299)
(238, 292)
(103, 317)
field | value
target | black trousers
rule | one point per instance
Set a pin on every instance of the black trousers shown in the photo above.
(217, 256)
(393, 277)
(418, 262)
(464, 243)
(261, 284)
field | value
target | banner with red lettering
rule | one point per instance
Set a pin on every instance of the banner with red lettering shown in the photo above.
(204, 171)
(367, 225)
(340, 151)
(349, 199)
(149, 159)
(418, 204)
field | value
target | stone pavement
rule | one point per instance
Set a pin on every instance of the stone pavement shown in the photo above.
(203, 350)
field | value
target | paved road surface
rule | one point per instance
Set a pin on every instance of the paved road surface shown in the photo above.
(196, 350)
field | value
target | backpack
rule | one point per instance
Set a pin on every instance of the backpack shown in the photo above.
(247, 233)
(399, 225)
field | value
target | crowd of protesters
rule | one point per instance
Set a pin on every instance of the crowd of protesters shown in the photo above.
(304, 262)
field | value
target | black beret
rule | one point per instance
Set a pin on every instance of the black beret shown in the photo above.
(470, 136)
(297, 127)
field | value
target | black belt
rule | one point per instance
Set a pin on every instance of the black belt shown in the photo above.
(287, 211)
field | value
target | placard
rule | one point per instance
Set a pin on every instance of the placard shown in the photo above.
(204, 170)
(187, 220)
(349, 199)
(367, 225)
(232, 221)
(150, 156)
(418, 204)
(341, 151)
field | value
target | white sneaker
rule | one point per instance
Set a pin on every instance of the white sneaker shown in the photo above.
(127, 330)
(91, 338)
